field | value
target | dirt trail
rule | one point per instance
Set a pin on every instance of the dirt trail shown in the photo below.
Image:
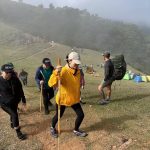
(37, 127)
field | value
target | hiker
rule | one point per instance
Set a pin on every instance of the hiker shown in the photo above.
(42, 76)
(82, 80)
(11, 93)
(108, 79)
(70, 92)
(23, 75)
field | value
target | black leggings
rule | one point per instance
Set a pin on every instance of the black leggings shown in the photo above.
(79, 112)
(47, 95)
(12, 111)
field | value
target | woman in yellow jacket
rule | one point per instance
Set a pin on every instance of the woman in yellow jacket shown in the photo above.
(70, 92)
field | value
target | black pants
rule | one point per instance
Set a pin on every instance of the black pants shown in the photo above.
(78, 110)
(24, 82)
(12, 111)
(47, 95)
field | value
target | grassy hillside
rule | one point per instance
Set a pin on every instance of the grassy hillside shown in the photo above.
(123, 124)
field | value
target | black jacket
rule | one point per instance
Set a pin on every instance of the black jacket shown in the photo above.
(11, 91)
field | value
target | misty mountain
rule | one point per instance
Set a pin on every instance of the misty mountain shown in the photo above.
(78, 28)
(132, 11)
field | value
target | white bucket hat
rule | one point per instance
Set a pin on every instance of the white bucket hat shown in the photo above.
(75, 57)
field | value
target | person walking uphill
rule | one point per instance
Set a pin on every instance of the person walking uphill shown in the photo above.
(70, 92)
(11, 93)
(108, 79)
(23, 75)
(42, 76)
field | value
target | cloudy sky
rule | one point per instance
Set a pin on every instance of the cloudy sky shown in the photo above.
(136, 11)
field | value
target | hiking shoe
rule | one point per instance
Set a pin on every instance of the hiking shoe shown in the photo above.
(103, 102)
(46, 112)
(21, 136)
(54, 132)
(50, 103)
(11, 125)
(82, 102)
(107, 99)
(80, 133)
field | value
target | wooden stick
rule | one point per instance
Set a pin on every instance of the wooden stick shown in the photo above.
(41, 97)
(59, 90)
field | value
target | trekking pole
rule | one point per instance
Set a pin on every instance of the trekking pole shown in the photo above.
(59, 92)
(41, 97)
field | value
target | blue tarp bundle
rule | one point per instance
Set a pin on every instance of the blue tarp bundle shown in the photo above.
(138, 79)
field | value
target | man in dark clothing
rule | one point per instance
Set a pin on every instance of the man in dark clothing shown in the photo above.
(108, 78)
(42, 76)
(11, 93)
(23, 75)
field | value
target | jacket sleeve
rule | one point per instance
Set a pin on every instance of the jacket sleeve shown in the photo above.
(106, 72)
(53, 81)
(38, 77)
(21, 91)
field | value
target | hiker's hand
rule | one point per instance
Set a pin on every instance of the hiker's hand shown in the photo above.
(82, 87)
(24, 104)
(58, 69)
(41, 82)
(24, 107)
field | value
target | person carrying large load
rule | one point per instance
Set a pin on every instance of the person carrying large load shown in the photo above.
(114, 69)
(108, 79)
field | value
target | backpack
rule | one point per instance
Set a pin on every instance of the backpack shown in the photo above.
(119, 66)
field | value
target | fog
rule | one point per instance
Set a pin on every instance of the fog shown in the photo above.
(134, 11)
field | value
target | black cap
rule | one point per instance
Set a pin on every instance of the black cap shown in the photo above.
(106, 54)
(7, 68)
(46, 61)
(11, 64)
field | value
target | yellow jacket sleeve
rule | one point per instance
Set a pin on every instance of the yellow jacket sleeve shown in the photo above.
(53, 81)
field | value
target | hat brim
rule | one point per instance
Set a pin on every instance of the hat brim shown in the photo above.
(78, 62)
(47, 64)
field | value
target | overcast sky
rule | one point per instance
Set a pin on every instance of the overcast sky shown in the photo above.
(136, 11)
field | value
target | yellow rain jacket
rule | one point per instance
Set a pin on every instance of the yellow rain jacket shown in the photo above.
(70, 86)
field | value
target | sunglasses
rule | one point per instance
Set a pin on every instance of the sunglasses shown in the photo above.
(8, 72)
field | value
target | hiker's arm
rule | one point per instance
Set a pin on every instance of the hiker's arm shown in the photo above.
(38, 77)
(106, 72)
(53, 81)
(21, 92)
(56, 75)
